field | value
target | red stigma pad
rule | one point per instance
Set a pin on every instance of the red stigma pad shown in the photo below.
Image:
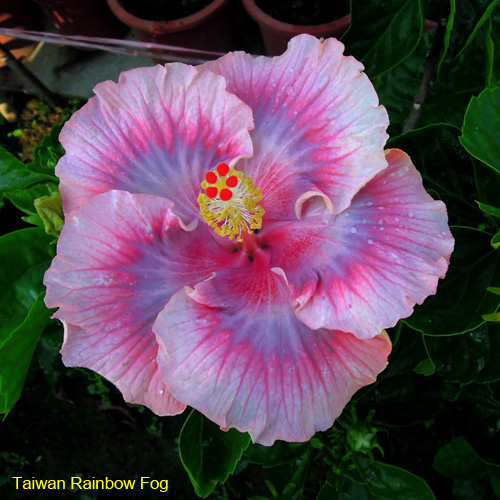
(210, 177)
(225, 194)
(232, 181)
(223, 169)
(212, 192)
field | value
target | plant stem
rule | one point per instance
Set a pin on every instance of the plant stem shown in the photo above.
(430, 65)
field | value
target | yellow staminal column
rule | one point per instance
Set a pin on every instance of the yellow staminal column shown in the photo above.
(230, 202)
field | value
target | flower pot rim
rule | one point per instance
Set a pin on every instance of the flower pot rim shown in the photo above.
(286, 28)
(180, 24)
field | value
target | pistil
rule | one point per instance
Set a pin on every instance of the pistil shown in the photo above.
(230, 202)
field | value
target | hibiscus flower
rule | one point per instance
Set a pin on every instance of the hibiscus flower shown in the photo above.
(237, 240)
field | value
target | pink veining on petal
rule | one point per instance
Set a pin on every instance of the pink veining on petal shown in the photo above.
(128, 361)
(234, 349)
(155, 132)
(118, 262)
(318, 123)
(366, 268)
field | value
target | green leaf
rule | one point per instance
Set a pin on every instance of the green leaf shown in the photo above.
(451, 89)
(446, 170)
(15, 175)
(16, 351)
(383, 33)
(425, 367)
(469, 18)
(488, 209)
(462, 297)
(379, 481)
(396, 88)
(208, 454)
(481, 130)
(25, 255)
(387, 482)
(24, 199)
(449, 28)
(495, 241)
(48, 153)
(491, 317)
(487, 183)
(458, 460)
(492, 44)
(471, 357)
(277, 454)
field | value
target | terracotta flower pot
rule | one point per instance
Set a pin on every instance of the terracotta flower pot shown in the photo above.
(209, 29)
(86, 18)
(18, 14)
(276, 34)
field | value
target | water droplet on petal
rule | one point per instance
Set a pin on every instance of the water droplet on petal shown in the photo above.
(410, 214)
(353, 230)
(370, 242)
(380, 222)
(289, 90)
(369, 204)
(396, 219)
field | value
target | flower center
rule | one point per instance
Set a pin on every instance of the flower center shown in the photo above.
(230, 202)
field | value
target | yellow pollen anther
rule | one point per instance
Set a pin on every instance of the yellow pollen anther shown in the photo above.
(230, 202)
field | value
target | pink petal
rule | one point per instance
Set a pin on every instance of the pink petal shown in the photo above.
(318, 125)
(155, 132)
(129, 361)
(118, 262)
(234, 350)
(365, 269)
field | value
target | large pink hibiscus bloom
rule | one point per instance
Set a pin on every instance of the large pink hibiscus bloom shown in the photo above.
(271, 331)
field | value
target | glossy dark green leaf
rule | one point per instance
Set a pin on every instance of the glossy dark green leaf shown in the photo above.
(380, 481)
(471, 357)
(25, 255)
(492, 43)
(462, 297)
(469, 16)
(387, 482)
(208, 454)
(383, 33)
(15, 175)
(457, 81)
(446, 169)
(458, 460)
(481, 128)
(16, 351)
(277, 454)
